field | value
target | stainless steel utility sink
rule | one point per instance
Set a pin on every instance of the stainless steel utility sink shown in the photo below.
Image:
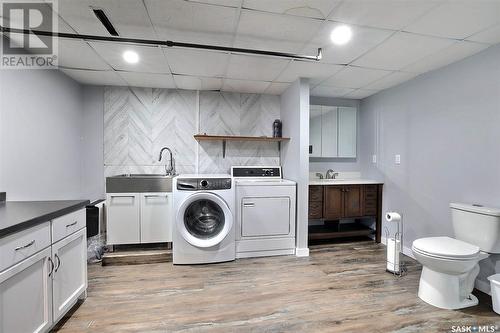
(133, 183)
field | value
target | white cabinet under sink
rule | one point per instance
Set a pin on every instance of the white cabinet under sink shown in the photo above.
(156, 211)
(332, 131)
(122, 218)
(134, 218)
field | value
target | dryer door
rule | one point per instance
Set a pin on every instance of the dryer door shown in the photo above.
(204, 219)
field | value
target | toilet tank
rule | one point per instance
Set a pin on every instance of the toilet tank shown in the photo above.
(477, 225)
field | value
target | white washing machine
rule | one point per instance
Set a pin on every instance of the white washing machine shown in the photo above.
(203, 229)
(265, 212)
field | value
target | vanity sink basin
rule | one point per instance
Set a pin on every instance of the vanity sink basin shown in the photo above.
(136, 183)
(353, 181)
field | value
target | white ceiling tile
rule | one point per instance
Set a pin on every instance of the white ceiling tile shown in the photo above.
(129, 17)
(329, 91)
(491, 36)
(277, 88)
(360, 93)
(390, 80)
(307, 69)
(197, 63)
(197, 83)
(363, 39)
(100, 78)
(192, 22)
(388, 14)
(400, 50)
(148, 80)
(227, 3)
(255, 68)
(355, 77)
(307, 8)
(458, 19)
(151, 59)
(273, 32)
(455, 52)
(78, 54)
(245, 86)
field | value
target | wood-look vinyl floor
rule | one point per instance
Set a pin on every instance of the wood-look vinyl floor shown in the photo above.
(339, 288)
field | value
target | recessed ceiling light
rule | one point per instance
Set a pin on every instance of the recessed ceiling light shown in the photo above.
(341, 35)
(131, 57)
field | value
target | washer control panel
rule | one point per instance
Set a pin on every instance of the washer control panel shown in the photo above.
(203, 184)
(256, 172)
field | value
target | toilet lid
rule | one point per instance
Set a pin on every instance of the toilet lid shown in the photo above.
(446, 247)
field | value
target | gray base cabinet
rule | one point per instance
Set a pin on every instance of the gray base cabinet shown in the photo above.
(26, 295)
(39, 285)
(70, 272)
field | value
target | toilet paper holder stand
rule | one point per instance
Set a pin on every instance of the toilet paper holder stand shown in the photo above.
(399, 267)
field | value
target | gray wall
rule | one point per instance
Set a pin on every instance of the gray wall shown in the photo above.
(93, 138)
(294, 154)
(41, 135)
(445, 126)
(319, 164)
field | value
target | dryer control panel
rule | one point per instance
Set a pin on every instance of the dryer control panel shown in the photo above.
(203, 184)
(256, 172)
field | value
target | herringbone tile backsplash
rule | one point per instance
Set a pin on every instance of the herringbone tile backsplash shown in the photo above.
(138, 122)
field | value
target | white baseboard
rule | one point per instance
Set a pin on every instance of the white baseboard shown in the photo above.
(302, 252)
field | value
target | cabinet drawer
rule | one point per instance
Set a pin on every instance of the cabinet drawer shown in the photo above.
(315, 193)
(21, 245)
(315, 210)
(66, 225)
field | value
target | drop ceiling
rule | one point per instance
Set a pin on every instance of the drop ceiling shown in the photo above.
(393, 41)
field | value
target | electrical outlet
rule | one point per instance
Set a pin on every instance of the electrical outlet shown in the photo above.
(374, 159)
(397, 159)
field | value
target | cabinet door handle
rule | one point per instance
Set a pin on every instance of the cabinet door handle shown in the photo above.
(249, 204)
(24, 246)
(156, 196)
(51, 266)
(122, 196)
(71, 224)
(58, 262)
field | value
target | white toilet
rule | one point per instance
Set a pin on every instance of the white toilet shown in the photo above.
(450, 265)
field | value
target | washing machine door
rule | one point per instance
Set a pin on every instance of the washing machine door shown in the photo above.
(204, 219)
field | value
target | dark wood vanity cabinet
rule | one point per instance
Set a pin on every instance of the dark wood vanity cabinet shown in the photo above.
(315, 202)
(335, 202)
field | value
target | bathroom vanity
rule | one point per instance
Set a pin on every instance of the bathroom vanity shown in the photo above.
(357, 200)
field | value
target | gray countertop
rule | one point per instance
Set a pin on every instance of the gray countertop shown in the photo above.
(16, 216)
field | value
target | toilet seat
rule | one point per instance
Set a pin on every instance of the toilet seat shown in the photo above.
(446, 248)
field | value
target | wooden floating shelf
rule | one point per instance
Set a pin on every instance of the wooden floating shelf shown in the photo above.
(225, 138)
(203, 137)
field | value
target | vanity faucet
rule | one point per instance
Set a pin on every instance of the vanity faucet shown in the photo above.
(330, 174)
(319, 175)
(170, 168)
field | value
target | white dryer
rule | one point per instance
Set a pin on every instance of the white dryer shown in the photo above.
(203, 229)
(265, 212)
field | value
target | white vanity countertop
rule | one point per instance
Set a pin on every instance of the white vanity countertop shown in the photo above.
(354, 181)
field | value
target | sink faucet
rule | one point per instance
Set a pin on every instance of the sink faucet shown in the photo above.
(330, 174)
(319, 175)
(170, 169)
